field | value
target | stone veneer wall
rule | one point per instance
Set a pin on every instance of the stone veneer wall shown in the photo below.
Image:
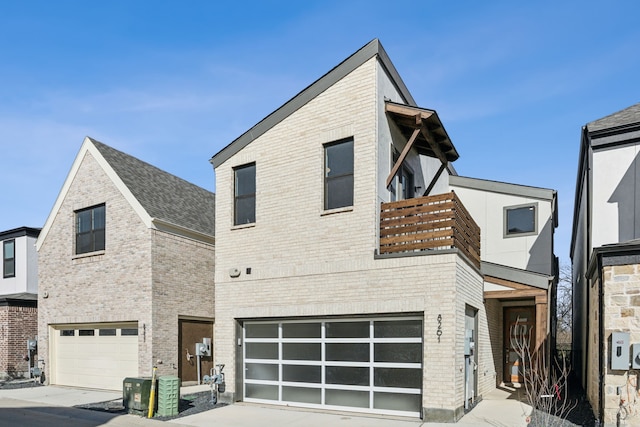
(17, 325)
(621, 313)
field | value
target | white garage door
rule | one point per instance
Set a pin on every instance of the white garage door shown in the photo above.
(365, 365)
(94, 356)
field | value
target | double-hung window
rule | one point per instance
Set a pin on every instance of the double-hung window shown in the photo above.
(245, 194)
(520, 220)
(9, 258)
(338, 174)
(90, 227)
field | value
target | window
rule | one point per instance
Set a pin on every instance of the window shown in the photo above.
(338, 174)
(67, 332)
(128, 331)
(9, 258)
(86, 332)
(403, 181)
(107, 332)
(245, 194)
(90, 224)
(520, 220)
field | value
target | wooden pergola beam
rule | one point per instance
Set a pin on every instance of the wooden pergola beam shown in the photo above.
(404, 153)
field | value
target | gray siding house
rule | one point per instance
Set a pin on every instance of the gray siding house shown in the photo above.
(605, 252)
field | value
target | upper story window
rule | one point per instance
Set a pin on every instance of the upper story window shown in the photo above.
(338, 174)
(90, 225)
(9, 258)
(245, 194)
(403, 183)
(520, 220)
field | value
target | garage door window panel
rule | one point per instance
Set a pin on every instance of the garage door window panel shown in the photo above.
(261, 391)
(262, 371)
(348, 352)
(398, 352)
(357, 399)
(262, 351)
(302, 395)
(302, 374)
(301, 330)
(301, 351)
(347, 329)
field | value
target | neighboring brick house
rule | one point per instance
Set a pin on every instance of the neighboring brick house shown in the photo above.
(18, 301)
(605, 252)
(126, 261)
(348, 273)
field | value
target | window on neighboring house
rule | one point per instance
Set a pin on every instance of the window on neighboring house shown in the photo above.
(90, 225)
(9, 258)
(245, 194)
(520, 220)
(338, 174)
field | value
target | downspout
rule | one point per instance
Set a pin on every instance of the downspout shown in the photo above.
(601, 354)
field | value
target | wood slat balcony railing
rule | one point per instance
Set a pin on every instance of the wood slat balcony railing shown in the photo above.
(429, 223)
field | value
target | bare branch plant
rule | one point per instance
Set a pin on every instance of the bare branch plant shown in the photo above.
(545, 382)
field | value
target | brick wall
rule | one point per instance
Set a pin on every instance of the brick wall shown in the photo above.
(114, 286)
(307, 262)
(182, 287)
(17, 325)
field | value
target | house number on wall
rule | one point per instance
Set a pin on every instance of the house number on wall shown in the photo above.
(439, 331)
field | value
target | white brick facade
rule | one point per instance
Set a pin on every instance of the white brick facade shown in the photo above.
(298, 261)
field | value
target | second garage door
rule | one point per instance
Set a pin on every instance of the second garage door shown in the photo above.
(365, 365)
(94, 355)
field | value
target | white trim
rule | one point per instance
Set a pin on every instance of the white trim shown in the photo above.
(88, 147)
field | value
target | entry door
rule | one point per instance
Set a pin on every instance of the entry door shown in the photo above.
(470, 356)
(519, 324)
(191, 332)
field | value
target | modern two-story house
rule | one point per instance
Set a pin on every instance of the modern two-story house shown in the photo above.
(18, 301)
(355, 270)
(126, 261)
(605, 252)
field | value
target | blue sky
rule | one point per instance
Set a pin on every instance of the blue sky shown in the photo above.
(172, 82)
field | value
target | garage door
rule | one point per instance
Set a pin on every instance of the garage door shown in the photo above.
(94, 356)
(364, 365)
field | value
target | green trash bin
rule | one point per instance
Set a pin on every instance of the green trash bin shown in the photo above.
(168, 396)
(135, 395)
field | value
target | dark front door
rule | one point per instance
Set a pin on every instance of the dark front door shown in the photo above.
(191, 332)
(519, 327)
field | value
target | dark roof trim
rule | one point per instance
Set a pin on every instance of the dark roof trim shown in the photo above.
(24, 299)
(19, 232)
(503, 187)
(365, 53)
(516, 275)
(615, 254)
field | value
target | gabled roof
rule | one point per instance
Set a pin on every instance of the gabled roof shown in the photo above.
(627, 116)
(163, 201)
(368, 51)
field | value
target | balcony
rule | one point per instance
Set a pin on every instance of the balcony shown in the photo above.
(429, 223)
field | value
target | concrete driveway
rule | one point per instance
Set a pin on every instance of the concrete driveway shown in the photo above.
(53, 406)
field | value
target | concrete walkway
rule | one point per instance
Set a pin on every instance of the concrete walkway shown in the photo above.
(497, 409)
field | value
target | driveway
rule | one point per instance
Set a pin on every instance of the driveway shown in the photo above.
(52, 406)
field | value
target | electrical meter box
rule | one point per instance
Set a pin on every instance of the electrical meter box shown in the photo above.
(135, 395)
(620, 351)
(32, 345)
(635, 356)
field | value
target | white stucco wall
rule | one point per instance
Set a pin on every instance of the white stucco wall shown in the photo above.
(26, 268)
(528, 252)
(614, 177)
